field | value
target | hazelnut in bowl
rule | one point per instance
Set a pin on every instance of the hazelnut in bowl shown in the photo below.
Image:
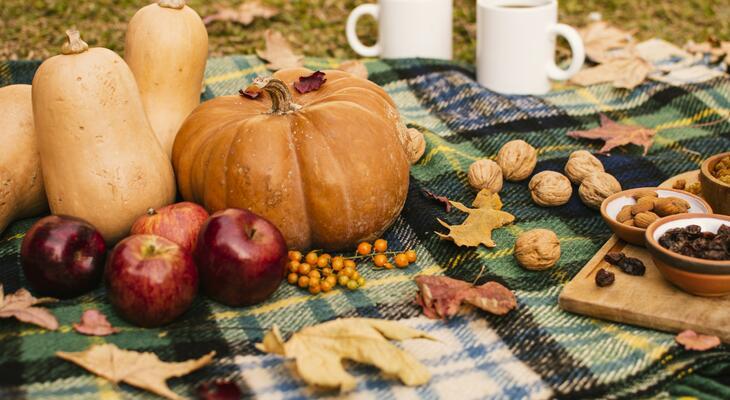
(692, 251)
(715, 182)
(630, 212)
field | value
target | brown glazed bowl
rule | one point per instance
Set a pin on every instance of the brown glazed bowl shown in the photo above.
(716, 192)
(693, 275)
(631, 234)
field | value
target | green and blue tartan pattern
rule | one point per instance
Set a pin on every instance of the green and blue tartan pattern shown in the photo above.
(536, 351)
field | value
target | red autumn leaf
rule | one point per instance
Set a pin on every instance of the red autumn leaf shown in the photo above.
(220, 389)
(94, 323)
(441, 199)
(20, 306)
(441, 296)
(692, 340)
(310, 83)
(615, 135)
(250, 92)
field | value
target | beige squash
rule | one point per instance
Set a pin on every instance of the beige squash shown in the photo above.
(21, 181)
(166, 49)
(103, 163)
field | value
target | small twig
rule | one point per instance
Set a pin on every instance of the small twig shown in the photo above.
(481, 272)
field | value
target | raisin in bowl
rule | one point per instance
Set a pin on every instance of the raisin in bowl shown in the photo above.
(692, 251)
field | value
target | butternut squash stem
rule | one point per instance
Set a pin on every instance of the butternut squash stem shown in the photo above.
(278, 91)
(74, 44)
(176, 4)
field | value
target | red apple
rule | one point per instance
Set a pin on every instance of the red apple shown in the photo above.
(241, 257)
(63, 256)
(179, 222)
(150, 280)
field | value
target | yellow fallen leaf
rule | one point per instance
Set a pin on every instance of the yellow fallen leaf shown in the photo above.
(604, 42)
(143, 370)
(626, 73)
(355, 67)
(20, 306)
(319, 351)
(278, 52)
(481, 221)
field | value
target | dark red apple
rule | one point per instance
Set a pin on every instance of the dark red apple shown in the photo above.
(63, 256)
(241, 257)
(178, 222)
(150, 280)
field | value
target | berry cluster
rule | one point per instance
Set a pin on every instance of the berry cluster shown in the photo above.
(322, 272)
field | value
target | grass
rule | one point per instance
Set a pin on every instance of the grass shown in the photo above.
(33, 29)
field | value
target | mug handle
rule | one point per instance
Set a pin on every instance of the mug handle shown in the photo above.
(350, 29)
(576, 47)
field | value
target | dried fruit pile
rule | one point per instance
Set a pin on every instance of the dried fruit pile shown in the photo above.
(681, 184)
(630, 265)
(693, 242)
(649, 207)
(721, 170)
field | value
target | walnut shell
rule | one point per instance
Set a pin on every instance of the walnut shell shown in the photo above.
(414, 144)
(485, 174)
(517, 160)
(644, 219)
(596, 187)
(537, 249)
(665, 206)
(581, 164)
(550, 188)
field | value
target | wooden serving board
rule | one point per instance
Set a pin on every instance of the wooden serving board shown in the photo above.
(649, 301)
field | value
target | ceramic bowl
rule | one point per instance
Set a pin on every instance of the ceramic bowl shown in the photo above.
(716, 192)
(693, 275)
(631, 234)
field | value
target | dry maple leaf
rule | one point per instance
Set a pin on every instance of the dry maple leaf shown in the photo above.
(143, 370)
(20, 305)
(441, 296)
(624, 73)
(691, 340)
(94, 323)
(615, 134)
(243, 14)
(604, 42)
(478, 226)
(355, 67)
(319, 351)
(310, 83)
(278, 52)
(441, 199)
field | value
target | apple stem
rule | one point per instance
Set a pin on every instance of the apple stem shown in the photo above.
(151, 211)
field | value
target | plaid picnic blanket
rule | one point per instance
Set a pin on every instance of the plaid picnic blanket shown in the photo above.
(536, 351)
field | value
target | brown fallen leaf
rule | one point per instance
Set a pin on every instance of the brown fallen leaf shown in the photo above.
(319, 351)
(278, 52)
(243, 14)
(691, 340)
(624, 73)
(310, 83)
(615, 135)
(355, 67)
(441, 199)
(143, 370)
(481, 221)
(604, 42)
(441, 296)
(20, 306)
(94, 323)
(717, 50)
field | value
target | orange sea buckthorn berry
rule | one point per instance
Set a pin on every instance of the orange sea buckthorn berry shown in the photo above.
(364, 248)
(338, 263)
(294, 266)
(355, 275)
(361, 281)
(332, 280)
(315, 289)
(295, 255)
(350, 263)
(401, 260)
(304, 268)
(411, 255)
(388, 265)
(352, 285)
(292, 278)
(380, 245)
(314, 275)
(342, 280)
(311, 258)
(327, 271)
(323, 261)
(348, 272)
(303, 281)
(326, 286)
(380, 260)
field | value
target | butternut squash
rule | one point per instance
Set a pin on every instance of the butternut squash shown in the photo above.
(21, 181)
(102, 160)
(166, 49)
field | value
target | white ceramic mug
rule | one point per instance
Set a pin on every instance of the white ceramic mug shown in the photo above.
(516, 46)
(406, 28)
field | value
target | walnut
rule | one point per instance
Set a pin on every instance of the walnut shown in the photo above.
(581, 164)
(596, 187)
(517, 160)
(670, 205)
(537, 249)
(414, 144)
(550, 188)
(644, 219)
(485, 174)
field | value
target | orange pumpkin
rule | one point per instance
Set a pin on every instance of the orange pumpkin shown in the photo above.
(327, 167)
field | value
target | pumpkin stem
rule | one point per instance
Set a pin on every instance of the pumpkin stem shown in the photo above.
(176, 4)
(281, 100)
(74, 44)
